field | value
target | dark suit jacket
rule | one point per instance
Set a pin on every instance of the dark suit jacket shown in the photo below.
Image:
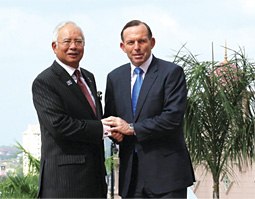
(158, 120)
(72, 159)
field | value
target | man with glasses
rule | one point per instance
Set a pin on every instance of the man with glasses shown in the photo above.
(69, 111)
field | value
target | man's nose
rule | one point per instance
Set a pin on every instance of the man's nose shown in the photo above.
(137, 45)
(72, 45)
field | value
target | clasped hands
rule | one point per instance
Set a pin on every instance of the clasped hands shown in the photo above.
(118, 127)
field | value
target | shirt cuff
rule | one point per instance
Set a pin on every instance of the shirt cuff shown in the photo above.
(105, 132)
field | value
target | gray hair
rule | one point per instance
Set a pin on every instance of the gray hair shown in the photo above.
(59, 26)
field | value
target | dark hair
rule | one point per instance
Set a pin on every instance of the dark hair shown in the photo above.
(135, 23)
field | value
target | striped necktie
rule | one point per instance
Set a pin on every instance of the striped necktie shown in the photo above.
(85, 91)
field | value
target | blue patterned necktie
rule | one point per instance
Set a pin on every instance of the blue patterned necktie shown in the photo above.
(136, 88)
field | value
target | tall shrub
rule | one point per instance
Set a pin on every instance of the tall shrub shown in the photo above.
(219, 119)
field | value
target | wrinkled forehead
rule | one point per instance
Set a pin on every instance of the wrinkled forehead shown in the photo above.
(70, 31)
(135, 33)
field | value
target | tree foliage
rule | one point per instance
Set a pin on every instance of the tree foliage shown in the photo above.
(22, 186)
(219, 119)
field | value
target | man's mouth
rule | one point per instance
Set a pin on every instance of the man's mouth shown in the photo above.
(138, 56)
(73, 55)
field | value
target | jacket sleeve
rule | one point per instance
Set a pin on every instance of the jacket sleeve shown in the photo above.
(110, 109)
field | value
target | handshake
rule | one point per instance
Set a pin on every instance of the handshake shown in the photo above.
(117, 128)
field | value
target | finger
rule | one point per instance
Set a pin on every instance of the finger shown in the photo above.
(108, 119)
(115, 137)
(112, 129)
(107, 123)
(120, 138)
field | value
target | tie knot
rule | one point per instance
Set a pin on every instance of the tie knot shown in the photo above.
(77, 73)
(138, 70)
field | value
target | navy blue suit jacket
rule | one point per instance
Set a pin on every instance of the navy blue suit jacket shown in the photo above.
(158, 121)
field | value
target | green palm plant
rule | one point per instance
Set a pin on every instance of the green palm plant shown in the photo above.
(33, 163)
(22, 186)
(219, 119)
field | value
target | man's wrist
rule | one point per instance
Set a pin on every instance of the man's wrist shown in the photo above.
(131, 128)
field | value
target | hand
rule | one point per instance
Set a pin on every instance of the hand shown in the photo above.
(117, 136)
(118, 125)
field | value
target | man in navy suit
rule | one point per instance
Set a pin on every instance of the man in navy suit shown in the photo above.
(154, 160)
(69, 111)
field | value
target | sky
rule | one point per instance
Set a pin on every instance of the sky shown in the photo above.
(26, 29)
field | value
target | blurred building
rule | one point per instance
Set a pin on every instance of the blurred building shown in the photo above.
(239, 185)
(31, 139)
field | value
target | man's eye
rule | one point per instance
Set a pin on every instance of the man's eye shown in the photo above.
(66, 42)
(78, 42)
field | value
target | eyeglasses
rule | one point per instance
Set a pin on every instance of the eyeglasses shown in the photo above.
(68, 43)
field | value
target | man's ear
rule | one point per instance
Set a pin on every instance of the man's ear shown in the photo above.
(122, 46)
(54, 47)
(153, 42)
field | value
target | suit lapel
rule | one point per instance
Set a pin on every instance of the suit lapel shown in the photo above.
(126, 89)
(66, 79)
(148, 81)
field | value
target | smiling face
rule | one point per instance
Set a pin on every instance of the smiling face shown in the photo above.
(69, 55)
(137, 44)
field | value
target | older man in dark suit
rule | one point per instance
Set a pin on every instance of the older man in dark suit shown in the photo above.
(69, 112)
(149, 94)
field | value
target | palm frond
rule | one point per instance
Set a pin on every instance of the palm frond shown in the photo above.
(219, 119)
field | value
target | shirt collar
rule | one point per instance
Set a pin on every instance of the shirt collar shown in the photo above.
(70, 70)
(144, 66)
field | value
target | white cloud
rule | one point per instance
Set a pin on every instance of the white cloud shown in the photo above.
(167, 21)
(249, 6)
(23, 31)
